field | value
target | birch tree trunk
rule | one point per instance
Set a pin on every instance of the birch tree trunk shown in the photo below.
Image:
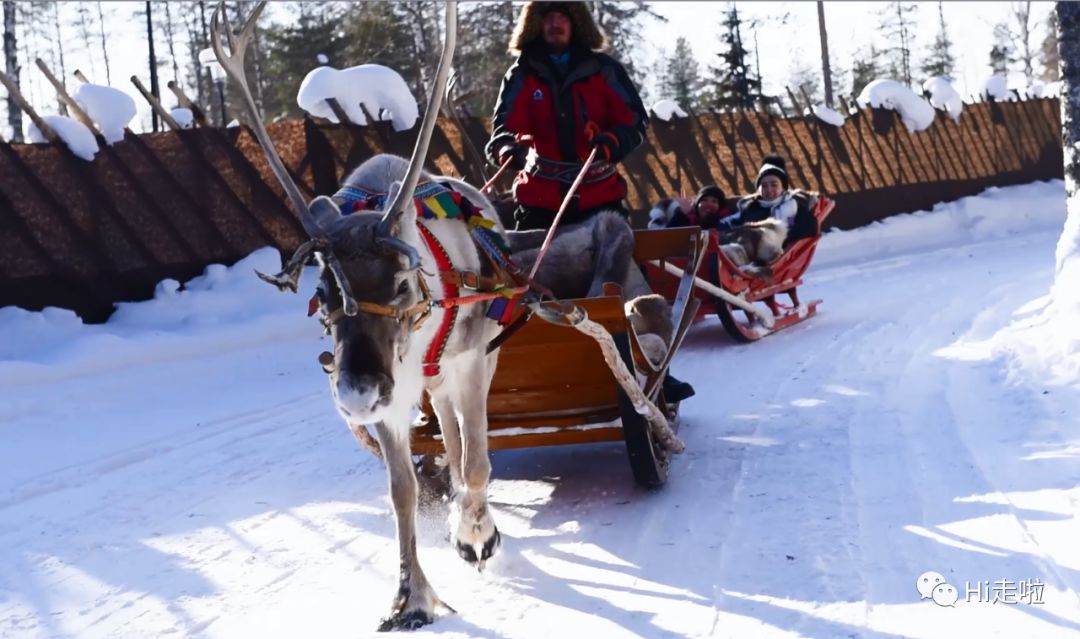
(11, 67)
(1066, 291)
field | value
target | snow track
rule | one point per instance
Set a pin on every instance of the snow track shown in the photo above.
(827, 467)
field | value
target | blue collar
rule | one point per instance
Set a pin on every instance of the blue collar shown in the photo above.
(560, 59)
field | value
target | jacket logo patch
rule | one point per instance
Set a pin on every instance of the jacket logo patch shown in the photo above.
(538, 95)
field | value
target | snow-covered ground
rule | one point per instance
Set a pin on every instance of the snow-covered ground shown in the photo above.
(180, 471)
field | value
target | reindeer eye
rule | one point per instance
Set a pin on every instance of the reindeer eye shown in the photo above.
(403, 287)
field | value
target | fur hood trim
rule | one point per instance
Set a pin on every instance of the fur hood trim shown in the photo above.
(529, 29)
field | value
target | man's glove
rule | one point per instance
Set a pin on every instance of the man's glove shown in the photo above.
(516, 153)
(606, 144)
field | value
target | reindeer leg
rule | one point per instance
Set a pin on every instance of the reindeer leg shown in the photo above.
(414, 605)
(472, 527)
(451, 432)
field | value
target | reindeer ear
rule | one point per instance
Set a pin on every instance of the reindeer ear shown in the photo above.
(324, 211)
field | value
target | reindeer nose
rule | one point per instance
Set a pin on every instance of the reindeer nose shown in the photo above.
(366, 392)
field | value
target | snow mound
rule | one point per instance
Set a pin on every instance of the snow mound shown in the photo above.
(944, 96)
(184, 117)
(997, 87)
(221, 301)
(112, 109)
(826, 115)
(916, 112)
(75, 135)
(666, 109)
(1040, 89)
(379, 88)
(993, 214)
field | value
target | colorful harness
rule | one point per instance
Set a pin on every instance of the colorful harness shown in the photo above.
(438, 201)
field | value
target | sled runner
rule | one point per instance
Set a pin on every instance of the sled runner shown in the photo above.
(752, 310)
(553, 386)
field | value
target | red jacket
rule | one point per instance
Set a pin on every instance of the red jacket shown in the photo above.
(533, 101)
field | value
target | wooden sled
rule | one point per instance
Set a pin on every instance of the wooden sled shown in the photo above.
(787, 270)
(552, 386)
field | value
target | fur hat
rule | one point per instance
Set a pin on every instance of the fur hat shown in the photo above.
(529, 28)
(711, 190)
(773, 165)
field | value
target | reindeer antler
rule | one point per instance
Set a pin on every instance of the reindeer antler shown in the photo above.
(233, 63)
(320, 243)
(431, 115)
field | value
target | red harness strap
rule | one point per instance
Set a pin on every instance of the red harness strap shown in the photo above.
(450, 291)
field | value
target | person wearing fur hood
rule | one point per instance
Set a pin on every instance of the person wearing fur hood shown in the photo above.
(560, 99)
(775, 199)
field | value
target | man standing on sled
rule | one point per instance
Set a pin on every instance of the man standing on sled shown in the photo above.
(558, 101)
(561, 99)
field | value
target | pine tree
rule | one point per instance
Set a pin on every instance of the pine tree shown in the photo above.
(292, 50)
(1049, 51)
(804, 78)
(1020, 30)
(941, 61)
(624, 24)
(482, 58)
(682, 76)
(898, 27)
(865, 68)
(733, 83)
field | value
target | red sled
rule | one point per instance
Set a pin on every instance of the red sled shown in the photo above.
(752, 292)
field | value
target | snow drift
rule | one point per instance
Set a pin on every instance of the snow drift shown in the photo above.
(916, 113)
(380, 89)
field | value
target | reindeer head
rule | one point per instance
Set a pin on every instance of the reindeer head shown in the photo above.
(370, 290)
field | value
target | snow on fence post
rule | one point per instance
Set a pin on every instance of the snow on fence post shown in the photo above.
(187, 103)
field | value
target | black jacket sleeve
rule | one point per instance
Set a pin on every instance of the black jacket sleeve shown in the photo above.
(512, 84)
(629, 136)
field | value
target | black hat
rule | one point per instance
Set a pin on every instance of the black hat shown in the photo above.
(711, 190)
(773, 165)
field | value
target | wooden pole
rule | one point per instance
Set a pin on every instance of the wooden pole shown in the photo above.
(185, 101)
(72, 105)
(13, 91)
(155, 105)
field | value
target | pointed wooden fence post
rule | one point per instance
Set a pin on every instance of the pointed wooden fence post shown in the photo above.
(155, 104)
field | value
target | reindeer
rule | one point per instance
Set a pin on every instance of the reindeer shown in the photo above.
(378, 269)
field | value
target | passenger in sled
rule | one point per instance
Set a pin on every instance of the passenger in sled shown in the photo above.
(768, 222)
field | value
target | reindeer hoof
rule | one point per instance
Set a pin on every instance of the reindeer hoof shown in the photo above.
(487, 550)
(410, 620)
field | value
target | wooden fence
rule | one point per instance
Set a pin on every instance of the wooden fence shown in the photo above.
(83, 235)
